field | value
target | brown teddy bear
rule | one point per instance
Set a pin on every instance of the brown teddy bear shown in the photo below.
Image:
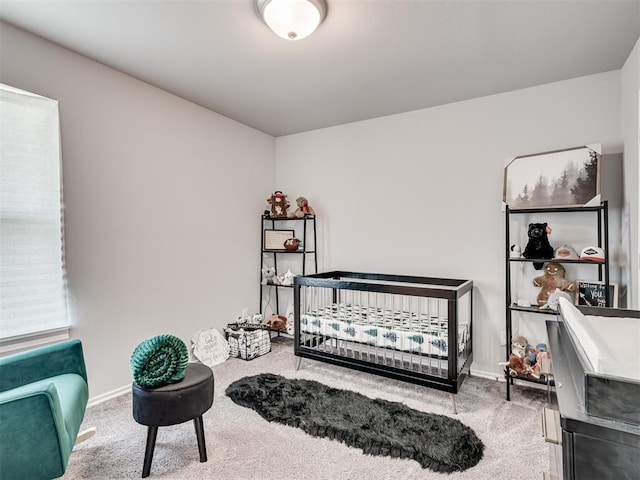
(277, 322)
(552, 279)
(279, 204)
(303, 208)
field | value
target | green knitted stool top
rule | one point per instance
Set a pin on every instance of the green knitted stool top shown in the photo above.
(159, 361)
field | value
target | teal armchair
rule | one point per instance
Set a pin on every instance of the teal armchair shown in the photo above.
(43, 397)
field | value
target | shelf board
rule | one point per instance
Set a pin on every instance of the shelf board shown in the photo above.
(306, 217)
(540, 381)
(558, 260)
(271, 284)
(288, 251)
(556, 209)
(532, 309)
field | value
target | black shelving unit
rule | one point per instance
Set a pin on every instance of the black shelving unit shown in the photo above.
(602, 220)
(307, 255)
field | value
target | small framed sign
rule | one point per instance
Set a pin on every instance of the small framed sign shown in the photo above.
(592, 293)
(274, 239)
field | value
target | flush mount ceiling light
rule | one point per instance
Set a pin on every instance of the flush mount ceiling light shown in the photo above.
(292, 19)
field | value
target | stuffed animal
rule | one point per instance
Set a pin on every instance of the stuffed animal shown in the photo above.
(553, 278)
(519, 363)
(268, 275)
(279, 204)
(303, 208)
(288, 278)
(553, 301)
(538, 245)
(277, 322)
(515, 366)
(278, 279)
(520, 346)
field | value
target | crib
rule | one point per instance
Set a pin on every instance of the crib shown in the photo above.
(414, 329)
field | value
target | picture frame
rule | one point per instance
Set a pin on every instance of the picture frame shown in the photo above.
(559, 178)
(591, 293)
(274, 239)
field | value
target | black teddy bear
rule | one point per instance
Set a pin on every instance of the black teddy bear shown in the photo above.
(538, 245)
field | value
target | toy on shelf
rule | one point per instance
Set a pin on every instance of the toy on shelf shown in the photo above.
(554, 299)
(287, 279)
(268, 275)
(291, 244)
(538, 246)
(552, 279)
(524, 359)
(303, 209)
(277, 322)
(279, 205)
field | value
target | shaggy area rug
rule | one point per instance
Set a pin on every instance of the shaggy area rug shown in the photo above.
(378, 427)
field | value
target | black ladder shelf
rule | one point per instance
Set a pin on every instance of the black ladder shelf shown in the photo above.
(308, 222)
(601, 212)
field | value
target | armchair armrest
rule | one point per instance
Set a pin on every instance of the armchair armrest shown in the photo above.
(32, 419)
(40, 363)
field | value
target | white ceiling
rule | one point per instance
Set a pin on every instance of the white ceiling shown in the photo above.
(368, 59)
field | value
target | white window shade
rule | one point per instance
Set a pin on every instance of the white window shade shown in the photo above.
(32, 284)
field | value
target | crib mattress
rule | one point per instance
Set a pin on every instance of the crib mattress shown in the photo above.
(405, 331)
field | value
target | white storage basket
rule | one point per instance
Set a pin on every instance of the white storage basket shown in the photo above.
(248, 341)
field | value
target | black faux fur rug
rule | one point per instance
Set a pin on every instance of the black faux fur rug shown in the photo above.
(378, 427)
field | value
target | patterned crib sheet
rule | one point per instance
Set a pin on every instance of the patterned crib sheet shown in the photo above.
(406, 331)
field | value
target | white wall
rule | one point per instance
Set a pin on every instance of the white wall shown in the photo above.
(162, 197)
(420, 192)
(162, 204)
(630, 89)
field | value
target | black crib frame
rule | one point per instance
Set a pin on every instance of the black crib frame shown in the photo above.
(450, 289)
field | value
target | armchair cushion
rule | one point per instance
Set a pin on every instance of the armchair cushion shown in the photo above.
(40, 417)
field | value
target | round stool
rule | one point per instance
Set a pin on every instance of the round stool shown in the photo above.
(172, 404)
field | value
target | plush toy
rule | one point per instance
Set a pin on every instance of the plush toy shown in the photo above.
(516, 366)
(552, 279)
(279, 204)
(288, 278)
(553, 301)
(520, 346)
(520, 362)
(303, 208)
(278, 279)
(538, 245)
(268, 275)
(277, 322)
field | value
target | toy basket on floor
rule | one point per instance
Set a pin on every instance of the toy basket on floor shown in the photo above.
(248, 341)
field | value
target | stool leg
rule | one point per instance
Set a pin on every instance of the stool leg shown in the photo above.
(152, 432)
(202, 447)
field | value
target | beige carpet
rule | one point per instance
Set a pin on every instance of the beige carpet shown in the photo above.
(241, 445)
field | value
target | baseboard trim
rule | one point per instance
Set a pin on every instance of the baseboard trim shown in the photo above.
(108, 396)
(127, 388)
(489, 375)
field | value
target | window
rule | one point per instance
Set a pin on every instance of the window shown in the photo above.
(32, 283)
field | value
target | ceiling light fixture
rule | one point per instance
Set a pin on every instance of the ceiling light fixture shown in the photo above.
(292, 19)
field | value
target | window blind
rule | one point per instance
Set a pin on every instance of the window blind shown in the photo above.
(32, 282)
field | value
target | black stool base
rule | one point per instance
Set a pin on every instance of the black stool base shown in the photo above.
(173, 404)
(152, 433)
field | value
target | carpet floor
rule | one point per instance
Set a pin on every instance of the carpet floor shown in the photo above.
(242, 446)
